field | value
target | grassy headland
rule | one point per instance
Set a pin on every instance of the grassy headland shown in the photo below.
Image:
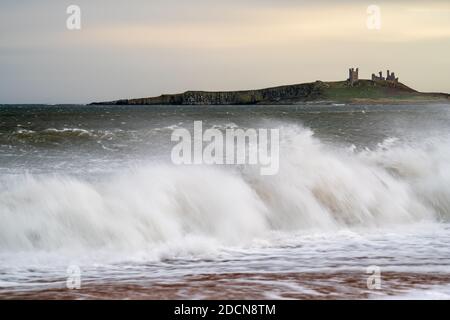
(362, 92)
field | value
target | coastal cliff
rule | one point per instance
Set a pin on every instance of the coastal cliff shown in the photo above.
(363, 91)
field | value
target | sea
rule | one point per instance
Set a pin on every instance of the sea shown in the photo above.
(92, 205)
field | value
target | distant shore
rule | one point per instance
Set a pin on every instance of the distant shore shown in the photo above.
(361, 92)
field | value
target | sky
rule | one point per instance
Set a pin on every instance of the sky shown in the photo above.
(141, 48)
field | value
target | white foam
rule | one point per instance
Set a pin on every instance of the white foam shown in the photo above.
(319, 188)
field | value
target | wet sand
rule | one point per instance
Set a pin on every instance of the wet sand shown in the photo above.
(344, 285)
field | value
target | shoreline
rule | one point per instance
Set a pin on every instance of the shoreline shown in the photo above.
(246, 286)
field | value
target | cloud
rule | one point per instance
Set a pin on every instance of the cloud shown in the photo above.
(201, 25)
(264, 27)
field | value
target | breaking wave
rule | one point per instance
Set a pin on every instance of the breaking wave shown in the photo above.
(319, 187)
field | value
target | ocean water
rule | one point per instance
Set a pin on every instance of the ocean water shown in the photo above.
(91, 191)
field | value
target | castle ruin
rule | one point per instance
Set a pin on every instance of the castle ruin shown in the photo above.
(389, 77)
(353, 75)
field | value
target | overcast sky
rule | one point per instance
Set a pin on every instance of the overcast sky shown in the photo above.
(143, 48)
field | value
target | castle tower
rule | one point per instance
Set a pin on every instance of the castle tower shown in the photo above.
(391, 77)
(353, 76)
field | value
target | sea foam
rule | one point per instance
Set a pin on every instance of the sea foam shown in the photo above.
(319, 187)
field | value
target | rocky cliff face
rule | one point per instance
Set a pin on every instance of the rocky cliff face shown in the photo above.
(283, 94)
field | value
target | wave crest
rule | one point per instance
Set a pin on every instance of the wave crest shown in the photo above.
(318, 187)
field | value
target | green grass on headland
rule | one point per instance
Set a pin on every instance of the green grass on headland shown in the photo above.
(361, 92)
